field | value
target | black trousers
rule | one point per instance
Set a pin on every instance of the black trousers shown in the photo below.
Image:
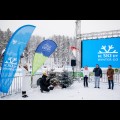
(111, 82)
(85, 81)
(44, 88)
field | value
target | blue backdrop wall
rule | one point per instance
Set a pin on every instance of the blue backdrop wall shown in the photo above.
(105, 51)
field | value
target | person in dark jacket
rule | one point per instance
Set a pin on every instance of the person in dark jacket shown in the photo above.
(44, 83)
(110, 73)
(98, 75)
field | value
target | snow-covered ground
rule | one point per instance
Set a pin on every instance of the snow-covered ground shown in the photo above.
(74, 92)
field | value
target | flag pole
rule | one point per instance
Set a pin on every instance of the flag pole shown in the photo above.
(31, 81)
(32, 73)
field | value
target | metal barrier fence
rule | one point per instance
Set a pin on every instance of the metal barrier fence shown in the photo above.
(16, 86)
(104, 78)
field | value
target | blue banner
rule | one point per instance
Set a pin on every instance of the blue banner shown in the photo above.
(42, 53)
(105, 51)
(14, 50)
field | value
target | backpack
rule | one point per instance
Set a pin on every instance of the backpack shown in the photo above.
(38, 81)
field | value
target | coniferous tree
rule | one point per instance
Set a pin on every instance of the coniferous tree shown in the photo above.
(7, 35)
(4, 38)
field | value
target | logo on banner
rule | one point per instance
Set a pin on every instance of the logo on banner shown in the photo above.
(14, 42)
(46, 47)
(109, 54)
(11, 63)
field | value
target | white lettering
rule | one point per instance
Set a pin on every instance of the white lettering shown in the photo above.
(107, 55)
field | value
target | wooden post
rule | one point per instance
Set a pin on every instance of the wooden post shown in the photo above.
(31, 81)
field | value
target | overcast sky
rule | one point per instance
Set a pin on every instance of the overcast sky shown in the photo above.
(48, 28)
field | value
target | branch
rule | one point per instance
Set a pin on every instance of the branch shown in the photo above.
(104, 48)
(110, 48)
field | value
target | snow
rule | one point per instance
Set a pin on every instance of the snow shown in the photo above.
(74, 92)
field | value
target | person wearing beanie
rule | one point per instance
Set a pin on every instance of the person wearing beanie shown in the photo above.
(44, 83)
